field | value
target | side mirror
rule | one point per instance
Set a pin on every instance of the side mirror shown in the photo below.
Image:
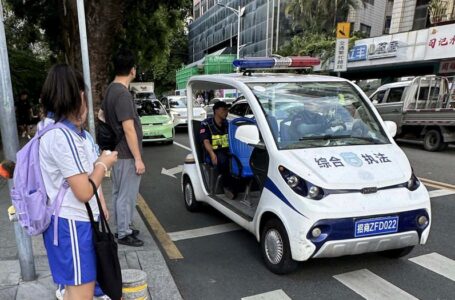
(391, 127)
(375, 102)
(248, 134)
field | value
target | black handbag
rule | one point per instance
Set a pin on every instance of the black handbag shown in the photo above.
(106, 137)
(108, 272)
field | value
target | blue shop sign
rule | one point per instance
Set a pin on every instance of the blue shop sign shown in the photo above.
(358, 53)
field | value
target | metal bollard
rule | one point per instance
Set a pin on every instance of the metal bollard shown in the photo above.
(24, 248)
(134, 285)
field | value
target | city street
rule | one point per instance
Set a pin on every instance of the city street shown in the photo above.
(220, 261)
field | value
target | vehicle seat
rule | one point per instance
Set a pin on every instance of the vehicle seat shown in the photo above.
(273, 123)
(285, 131)
(240, 151)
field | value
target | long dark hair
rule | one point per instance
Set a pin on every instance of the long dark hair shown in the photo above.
(61, 92)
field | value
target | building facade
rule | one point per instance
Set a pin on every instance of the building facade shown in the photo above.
(369, 18)
(264, 27)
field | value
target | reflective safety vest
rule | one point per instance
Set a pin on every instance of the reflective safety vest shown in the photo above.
(219, 141)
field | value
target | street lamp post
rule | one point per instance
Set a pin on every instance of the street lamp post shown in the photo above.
(239, 13)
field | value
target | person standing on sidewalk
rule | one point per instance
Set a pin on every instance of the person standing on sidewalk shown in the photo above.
(64, 157)
(121, 114)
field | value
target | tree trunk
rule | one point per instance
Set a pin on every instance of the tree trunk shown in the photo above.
(104, 19)
(103, 23)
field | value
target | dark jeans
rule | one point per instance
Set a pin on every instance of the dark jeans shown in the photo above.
(223, 168)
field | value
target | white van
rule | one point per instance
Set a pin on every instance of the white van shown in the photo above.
(319, 172)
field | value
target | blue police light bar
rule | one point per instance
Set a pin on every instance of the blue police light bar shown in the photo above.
(254, 63)
(293, 62)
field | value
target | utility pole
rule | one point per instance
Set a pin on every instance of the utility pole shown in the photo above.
(86, 66)
(10, 143)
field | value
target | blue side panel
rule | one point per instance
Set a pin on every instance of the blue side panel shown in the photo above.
(241, 152)
(274, 189)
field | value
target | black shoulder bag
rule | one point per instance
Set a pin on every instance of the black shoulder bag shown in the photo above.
(108, 272)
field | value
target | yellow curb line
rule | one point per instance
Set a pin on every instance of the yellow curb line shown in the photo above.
(437, 184)
(168, 245)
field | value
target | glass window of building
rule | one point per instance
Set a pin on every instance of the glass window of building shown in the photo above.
(365, 29)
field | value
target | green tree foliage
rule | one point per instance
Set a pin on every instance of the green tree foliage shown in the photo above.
(314, 23)
(152, 29)
(158, 38)
(28, 54)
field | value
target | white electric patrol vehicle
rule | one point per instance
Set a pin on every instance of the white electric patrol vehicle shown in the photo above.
(318, 171)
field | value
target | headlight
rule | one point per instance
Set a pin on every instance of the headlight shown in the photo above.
(413, 183)
(300, 186)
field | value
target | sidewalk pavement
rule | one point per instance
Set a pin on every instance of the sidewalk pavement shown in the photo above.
(148, 258)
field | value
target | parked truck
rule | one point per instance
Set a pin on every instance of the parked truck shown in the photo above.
(422, 108)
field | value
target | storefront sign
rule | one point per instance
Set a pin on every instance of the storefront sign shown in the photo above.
(341, 55)
(358, 53)
(441, 42)
(383, 50)
(447, 67)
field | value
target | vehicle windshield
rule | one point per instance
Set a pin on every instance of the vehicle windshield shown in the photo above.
(149, 108)
(317, 114)
(181, 103)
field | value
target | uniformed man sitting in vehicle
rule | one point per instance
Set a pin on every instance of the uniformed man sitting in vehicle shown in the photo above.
(214, 137)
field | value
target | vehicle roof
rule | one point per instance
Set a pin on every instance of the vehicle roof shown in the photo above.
(394, 84)
(267, 77)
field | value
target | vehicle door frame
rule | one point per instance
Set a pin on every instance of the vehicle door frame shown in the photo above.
(224, 83)
(392, 111)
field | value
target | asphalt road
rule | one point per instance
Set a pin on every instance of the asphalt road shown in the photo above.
(229, 265)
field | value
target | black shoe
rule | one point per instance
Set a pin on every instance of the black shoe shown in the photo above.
(130, 240)
(230, 193)
(135, 233)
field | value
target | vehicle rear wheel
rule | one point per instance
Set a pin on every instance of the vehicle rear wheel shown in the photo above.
(275, 248)
(191, 203)
(397, 253)
(433, 141)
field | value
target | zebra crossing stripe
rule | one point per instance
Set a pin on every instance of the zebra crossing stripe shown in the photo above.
(371, 286)
(440, 193)
(437, 263)
(274, 295)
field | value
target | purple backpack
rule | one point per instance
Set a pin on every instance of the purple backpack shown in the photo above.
(29, 193)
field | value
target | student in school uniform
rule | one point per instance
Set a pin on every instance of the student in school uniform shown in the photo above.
(65, 155)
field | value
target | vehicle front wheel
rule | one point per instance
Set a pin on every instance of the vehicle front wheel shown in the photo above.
(433, 140)
(191, 203)
(275, 248)
(397, 253)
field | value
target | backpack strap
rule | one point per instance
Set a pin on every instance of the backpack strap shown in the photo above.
(56, 208)
(63, 189)
(50, 127)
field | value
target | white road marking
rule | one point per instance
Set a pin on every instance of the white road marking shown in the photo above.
(371, 286)
(205, 231)
(182, 146)
(274, 295)
(172, 171)
(440, 193)
(437, 263)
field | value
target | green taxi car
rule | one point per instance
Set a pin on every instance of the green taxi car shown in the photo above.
(157, 124)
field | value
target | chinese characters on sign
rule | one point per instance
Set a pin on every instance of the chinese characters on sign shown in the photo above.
(341, 55)
(335, 162)
(383, 50)
(358, 53)
(447, 67)
(440, 42)
(373, 51)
